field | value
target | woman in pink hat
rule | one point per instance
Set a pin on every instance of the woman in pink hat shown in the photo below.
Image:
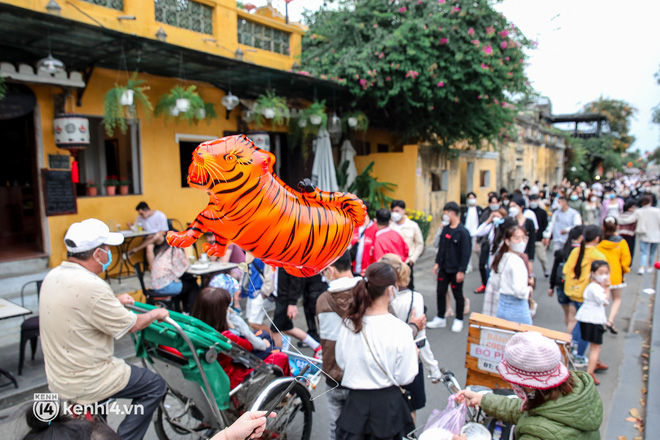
(554, 404)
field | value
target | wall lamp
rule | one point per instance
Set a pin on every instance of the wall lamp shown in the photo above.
(126, 17)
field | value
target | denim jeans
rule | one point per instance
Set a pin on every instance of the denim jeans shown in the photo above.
(336, 397)
(647, 253)
(514, 309)
(174, 288)
(577, 334)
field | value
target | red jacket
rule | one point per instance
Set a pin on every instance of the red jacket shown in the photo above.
(368, 237)
(388, 241)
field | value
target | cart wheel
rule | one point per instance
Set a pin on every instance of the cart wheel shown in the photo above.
(294, 414)
(175, 419)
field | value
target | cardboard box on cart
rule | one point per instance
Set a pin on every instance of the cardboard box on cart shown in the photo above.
(487, 337)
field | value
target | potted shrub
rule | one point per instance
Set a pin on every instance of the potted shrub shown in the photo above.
(123, 186)
(92, 190)
(122, 99)
(273, 107)
(316, 115)
(110, 184)
(185, 103)
(356, 120)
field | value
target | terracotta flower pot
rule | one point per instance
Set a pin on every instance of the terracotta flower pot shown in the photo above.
(111, 190)
(123, 189)
(92, 191)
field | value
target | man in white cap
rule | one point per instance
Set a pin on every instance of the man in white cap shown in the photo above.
(79, 316)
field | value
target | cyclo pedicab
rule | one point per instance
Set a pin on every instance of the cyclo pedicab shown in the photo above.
(200, 402)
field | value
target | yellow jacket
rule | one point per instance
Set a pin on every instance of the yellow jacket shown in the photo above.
(618, 256)
(574, 288)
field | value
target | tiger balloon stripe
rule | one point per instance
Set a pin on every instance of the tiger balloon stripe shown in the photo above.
(251, 207)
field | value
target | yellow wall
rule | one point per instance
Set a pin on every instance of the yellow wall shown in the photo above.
(145, 25)
(397, 168)
(160, 157)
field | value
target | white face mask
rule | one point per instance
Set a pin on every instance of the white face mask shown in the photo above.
(518, 248)
(602, 278)
(514, 211)
(396, 216)
(494, 206)
(594, 199)
(472, 202)
(533, 205)
(393, 292)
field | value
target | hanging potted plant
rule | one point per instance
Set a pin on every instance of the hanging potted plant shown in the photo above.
(123, 186)
(92, 190)
(110, 184)
(122, 99)
(273, 107)
(356, 120)
(315, 118)
(185, 103)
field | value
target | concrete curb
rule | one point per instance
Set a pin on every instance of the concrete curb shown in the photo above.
(652, 418)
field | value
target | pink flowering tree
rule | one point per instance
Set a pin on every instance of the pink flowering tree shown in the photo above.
(431, 70)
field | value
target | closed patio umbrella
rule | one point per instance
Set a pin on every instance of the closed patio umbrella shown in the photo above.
(348, 155)
(323, 169)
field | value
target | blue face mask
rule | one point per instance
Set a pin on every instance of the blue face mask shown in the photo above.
(108, 263)
(498, 221)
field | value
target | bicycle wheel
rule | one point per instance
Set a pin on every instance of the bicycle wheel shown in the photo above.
(294, 414)
(177, 418)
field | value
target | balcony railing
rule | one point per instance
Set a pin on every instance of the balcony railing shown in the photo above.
(263, 37)
(185, 14)
(113, 4)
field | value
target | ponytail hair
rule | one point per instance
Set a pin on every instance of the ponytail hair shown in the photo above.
(377, 278)
(573, 235)
(591, 233)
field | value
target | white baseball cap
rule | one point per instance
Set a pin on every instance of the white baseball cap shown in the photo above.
(89, 234)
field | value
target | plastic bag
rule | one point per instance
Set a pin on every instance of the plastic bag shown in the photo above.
(451, 419)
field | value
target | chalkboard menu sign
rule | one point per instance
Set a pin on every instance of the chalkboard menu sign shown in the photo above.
(59, 161)
(59, 192)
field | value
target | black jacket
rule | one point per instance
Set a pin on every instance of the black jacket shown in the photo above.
(542, 219)
(289, 288)
(464, 211)
(454, 250)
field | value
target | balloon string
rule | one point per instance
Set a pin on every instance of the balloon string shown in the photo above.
(292, 346)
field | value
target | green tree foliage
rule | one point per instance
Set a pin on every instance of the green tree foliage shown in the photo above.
(430, 70)
(619, 114)
(587, 156)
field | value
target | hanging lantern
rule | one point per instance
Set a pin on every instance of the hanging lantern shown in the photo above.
(230, 101)
(334, 129)
(71, 132)
(261, 139)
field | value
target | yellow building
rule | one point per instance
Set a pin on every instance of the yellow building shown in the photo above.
(208, 43)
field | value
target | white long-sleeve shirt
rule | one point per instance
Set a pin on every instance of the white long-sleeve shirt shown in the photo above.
(412, 235)
(401, 308)
(392, 344)
(593, 307)
(513, 280)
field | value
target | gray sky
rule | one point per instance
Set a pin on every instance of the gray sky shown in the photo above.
(587, 48)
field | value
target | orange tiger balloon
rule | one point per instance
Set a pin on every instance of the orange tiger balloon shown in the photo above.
(301, 232)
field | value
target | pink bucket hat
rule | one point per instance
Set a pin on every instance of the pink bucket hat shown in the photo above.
(534, 361)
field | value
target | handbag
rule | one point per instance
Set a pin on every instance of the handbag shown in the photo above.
(407, 396)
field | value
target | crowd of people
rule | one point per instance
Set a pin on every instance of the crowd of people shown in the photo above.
(364, 318)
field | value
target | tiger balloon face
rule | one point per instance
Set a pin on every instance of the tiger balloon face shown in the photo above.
(227, 160)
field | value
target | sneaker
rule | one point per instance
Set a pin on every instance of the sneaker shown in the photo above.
(481, 289)
(533, 308)
(649, 269)
(318, 353)
(437, 322)
(457, 326)
(641, 270)
(580, 361)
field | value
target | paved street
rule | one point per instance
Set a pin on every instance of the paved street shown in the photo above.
(620, 385)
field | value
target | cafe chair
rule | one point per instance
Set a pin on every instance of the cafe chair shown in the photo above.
(167, 301)
(174, 224)
(29, 328)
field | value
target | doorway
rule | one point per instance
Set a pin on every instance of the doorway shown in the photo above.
(20, 224)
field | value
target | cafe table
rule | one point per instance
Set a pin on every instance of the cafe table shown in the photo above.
(204, 268)
(8, 310)
(122, 261)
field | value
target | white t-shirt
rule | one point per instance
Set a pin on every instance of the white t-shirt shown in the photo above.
(79, 316)
(593, 307)
(156, 222)
(472, 220)
(392, 344)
